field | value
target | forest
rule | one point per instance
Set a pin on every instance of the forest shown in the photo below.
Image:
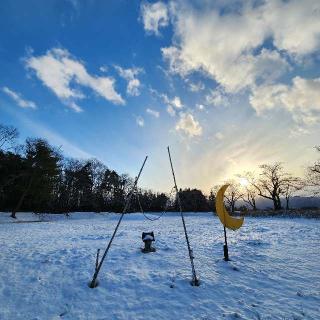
(37, 177)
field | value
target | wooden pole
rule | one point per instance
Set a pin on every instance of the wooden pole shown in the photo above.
(225, 247)
(97, 259)
(195, 280)
(93, 282)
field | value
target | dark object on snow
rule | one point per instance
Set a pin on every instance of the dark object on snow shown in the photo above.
(147, 238)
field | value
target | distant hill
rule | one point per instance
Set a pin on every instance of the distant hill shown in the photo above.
(295, 202)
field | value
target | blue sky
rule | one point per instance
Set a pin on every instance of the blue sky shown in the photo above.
(227, 87)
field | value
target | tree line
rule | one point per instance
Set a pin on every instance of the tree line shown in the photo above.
(37, 177)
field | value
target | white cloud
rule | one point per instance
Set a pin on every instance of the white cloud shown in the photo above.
(61, 72)
(154, 16)
(295, 25)
(232, 73)
(217, 97)
(298, 131)
(74, 106)
(176, 102)
(140, 121)
(188, 125)
(131, 76)
(227, 47)
(196, 87)
(177, 62)
(152, 112)
(269, 65)
(200, 107)
(172, 104)
(219, 136)
(171, 111)
(18, 99)
(103, 69)
(301, 99)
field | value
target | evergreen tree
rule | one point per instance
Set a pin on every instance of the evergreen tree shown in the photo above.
(40, 172)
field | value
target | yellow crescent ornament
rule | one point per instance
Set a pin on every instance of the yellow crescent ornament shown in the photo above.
(228, 221)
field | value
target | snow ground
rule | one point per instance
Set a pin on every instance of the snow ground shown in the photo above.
(45, 268)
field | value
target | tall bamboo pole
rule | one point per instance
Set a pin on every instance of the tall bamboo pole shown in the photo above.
(93, 282)
(195, 280)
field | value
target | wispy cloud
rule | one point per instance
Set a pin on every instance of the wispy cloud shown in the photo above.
(130, 75)
(173, 104)
(154, 16)
(219, 136)
(140, 121)
(196, 87)
(61, 72)
(103, 68)
(188, 125)
(217, 97)
(301, 99)
(152, 112)
(234, 61)
(242, 59)
(74, 106)
(200, 106)
(21, 102)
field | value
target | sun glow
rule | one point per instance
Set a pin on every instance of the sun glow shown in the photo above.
(243, 182)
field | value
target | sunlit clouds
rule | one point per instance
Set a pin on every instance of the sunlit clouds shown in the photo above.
(188, 125)
(229, 85)
(301, 99)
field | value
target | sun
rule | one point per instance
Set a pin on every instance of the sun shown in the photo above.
(243, 182)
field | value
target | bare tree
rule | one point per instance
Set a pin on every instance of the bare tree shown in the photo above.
(272, 183)
(292, 185)
(249, 197)
(8, 136)
(249, 193)
(232, 194)
(313, 175)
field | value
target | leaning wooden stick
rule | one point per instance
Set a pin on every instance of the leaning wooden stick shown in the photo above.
(195, 281)
(93, 282)
(97, 258)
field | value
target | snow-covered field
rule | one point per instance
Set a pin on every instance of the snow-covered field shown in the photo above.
(45, 269)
